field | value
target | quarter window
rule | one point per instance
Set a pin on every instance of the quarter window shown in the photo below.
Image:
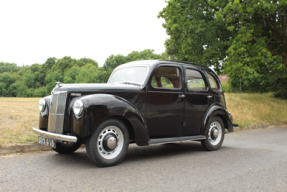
(195, 80)
(212, 82)
(166, 77)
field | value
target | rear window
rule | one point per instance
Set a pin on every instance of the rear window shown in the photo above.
(213, 83)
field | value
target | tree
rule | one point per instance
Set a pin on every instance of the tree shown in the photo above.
(49, 63)
(260, 44)
(40, 92)
(19, 89)
(71, 74)
(51, 80)
(195, 33)
(115, 60)
(202, 31)
(84, 61)
(263, 20)
(245, 39)
(146, 54)
(8, 67)
(64, 64)
(88, 74)
(6, 79)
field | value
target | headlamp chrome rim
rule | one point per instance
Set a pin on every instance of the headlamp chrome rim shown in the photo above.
(78, 108)
(42, 105)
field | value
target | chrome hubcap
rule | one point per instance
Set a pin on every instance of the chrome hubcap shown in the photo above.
(214, 133)
(110, 142)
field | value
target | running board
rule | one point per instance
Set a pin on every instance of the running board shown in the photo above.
(175, 139)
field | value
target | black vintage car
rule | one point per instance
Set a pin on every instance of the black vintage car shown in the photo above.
(144, 102)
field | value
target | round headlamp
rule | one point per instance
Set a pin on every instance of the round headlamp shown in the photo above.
(42, 105)
(78, 107)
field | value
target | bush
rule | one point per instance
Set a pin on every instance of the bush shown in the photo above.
(226, 87)
(40, 92)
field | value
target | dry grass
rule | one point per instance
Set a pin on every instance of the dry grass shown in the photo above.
(256, 109)
(19, 115)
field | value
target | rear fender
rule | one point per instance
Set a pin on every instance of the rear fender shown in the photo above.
(217, 110)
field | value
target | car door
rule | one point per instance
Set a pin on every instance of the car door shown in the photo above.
(197, 100)
(165, 103)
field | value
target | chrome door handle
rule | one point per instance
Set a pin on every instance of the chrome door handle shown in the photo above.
(209, 96)
(182, 96)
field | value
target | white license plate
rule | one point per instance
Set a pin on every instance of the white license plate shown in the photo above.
(46, 141)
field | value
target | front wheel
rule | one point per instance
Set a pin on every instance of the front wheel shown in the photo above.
(214, 134)
(108, 144)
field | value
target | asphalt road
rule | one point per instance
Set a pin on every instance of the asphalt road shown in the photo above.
(248, 161)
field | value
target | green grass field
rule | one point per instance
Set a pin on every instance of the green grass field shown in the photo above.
(256, 109)
(19, 115)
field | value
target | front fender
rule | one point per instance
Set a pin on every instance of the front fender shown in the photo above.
(43, 117)
(99, 107)
(217, 110)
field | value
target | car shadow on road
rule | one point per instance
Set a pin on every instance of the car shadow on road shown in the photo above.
(135, 153)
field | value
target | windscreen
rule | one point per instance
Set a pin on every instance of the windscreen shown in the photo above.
(129, 74)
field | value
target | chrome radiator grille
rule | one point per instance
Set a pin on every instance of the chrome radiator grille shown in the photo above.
(57, 112)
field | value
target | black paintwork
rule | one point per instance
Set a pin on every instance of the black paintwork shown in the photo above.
(164, 109)
(149, 113)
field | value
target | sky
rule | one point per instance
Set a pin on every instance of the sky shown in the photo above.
(31, 31)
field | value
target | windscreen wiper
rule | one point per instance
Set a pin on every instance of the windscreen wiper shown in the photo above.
(130, 83)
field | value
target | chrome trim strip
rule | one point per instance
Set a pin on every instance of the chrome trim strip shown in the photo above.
(56, 136)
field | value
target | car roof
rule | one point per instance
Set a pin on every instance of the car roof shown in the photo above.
(152, 63)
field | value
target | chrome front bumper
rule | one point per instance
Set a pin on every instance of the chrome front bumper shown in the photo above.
(55, 136)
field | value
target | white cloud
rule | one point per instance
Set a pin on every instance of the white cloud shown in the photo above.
(33, 30)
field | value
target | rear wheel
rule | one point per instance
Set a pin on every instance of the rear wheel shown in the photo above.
(108, 144)
(214, 134)
(67, 147)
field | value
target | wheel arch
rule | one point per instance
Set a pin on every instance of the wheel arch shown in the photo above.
(100, 107)
(222, 117)
(126, 122)
(221, 112)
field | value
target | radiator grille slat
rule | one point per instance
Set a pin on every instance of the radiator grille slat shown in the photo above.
(51, 123)
(57, 112)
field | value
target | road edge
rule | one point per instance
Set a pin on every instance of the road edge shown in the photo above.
(23, 148)
(34, 147)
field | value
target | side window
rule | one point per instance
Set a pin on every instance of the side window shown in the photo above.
(212, 82)
(195, 80)
(166, 77)
(166, 83)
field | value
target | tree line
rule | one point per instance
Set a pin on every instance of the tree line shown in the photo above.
(38, 80)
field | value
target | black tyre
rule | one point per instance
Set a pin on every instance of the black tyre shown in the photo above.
(214, 134)
(67, 147)
(108, 144)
